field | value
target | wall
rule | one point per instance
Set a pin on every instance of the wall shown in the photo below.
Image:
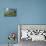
(28, 12)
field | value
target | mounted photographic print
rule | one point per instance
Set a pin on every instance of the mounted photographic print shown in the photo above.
(9, 12)
(32, 32)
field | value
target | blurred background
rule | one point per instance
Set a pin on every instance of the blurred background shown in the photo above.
(28, 12)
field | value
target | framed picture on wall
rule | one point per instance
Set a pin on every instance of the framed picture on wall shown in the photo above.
(9, 12)
(33, 32)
